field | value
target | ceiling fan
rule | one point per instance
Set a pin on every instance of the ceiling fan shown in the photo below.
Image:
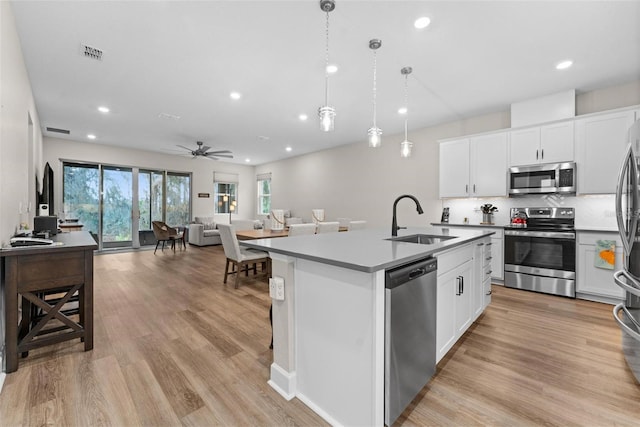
(202, 151)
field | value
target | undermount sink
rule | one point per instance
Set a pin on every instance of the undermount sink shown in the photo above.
(422, 239)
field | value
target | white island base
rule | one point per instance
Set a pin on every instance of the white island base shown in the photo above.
(328, 342)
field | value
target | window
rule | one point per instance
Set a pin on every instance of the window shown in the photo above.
(150, 197)
(178, 198)
(264, 194)
(226, 197)
(81, 194)
(225, 192)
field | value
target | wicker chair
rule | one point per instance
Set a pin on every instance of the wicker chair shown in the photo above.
(163, 233)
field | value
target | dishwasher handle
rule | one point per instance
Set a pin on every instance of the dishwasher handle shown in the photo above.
(407, 273)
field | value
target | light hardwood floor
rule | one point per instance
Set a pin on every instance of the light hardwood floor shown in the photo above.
(174, 346)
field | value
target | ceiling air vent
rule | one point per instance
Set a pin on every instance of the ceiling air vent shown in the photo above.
(56, 130)
(91, 52)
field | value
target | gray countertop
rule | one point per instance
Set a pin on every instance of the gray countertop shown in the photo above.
(365, 250)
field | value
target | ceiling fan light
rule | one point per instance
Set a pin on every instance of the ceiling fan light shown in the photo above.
(405, 148)
(375, 137)
(327, 118)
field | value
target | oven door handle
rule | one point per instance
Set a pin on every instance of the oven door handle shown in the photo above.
(547, 234)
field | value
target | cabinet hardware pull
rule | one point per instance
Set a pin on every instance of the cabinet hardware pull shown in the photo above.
(488, 258)
(462, 280)
(474, 188)
(489, 244)
(479, 244)
(489, 293)
(466, 188)
(542, 151)
(536, 154)
(488, 272)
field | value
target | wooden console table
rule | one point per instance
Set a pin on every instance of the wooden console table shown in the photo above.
(35, 273)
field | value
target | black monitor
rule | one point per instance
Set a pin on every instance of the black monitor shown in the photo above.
(45, 223)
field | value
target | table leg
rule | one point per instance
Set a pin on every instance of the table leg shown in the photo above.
(11, 314)
(86, 300)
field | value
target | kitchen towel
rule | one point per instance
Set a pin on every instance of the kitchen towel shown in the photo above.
(605, 254)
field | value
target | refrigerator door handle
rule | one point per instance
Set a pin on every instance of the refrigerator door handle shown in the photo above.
(622, 325)
(633, 288)
(629, 168)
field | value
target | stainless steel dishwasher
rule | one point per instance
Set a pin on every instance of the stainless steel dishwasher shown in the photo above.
(410, 334)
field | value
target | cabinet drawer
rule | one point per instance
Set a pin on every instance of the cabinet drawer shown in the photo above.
(453, 258)
(589, 237)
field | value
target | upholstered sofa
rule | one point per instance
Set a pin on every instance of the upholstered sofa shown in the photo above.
(204, 231)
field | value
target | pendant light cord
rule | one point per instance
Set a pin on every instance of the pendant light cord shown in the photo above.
(406, 105)
(326, 65)
(374, 87)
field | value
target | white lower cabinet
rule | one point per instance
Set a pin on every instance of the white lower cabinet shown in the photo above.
(460, 296)
(592, 282)
(496, 249)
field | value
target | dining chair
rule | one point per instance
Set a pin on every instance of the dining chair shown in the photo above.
(164, 233)
(240, 259)
(301, 229)
(356, 225)
(328, 227)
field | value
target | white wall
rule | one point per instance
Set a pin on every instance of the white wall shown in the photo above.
(56, 149)
(20, 142)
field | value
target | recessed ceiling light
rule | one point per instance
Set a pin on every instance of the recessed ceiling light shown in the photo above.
(564, 64)
(247, 160)
(288, 148)
(235, 95)
(422, 22)
(402, 110)
(332, 68)
(91, 136)
(303, 117)
(103, 109)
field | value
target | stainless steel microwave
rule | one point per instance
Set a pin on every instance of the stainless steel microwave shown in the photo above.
(545, 178)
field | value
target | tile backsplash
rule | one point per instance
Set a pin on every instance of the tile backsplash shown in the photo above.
(596, 211)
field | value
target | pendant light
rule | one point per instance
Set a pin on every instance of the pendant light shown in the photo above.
(406, 145)
(327, 113)
(374, 133)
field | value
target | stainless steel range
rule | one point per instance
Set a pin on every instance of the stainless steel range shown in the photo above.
(540, 251)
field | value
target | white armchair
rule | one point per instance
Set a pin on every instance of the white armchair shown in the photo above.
(204, 232)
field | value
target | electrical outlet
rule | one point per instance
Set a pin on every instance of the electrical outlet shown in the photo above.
(276, 288)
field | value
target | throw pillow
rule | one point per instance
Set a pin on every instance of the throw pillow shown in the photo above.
(209, 225)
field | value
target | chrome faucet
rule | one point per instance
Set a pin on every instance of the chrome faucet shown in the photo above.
(394, 221)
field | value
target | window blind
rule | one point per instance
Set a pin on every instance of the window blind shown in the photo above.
(263, 177)
(225, 177)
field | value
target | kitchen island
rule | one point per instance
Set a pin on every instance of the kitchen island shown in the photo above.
(329, 326)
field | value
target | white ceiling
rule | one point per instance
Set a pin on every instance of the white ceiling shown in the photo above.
(183, 58)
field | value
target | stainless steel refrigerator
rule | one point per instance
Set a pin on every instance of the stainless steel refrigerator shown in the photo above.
(627, 313)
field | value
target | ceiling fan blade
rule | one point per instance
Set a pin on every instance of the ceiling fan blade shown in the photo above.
(204, 148)
(182, 146)
(220, 152)
(211, 155)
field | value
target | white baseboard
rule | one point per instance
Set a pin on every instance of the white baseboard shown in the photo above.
(283, 382)
(315, 408)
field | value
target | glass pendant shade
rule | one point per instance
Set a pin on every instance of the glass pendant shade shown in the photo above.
(375, 137)
(327, 118)
(405, 148)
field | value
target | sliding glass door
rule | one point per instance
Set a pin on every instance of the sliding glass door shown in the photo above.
(117, 203)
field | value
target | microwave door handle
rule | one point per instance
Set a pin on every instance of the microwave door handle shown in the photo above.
(629, 168)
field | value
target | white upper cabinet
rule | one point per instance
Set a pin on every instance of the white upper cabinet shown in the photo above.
(551, 143)
(474, 166)
(601, 141)
(488, 166)
(454, 168)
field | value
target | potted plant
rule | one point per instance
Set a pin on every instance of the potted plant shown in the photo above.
(487, 213)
